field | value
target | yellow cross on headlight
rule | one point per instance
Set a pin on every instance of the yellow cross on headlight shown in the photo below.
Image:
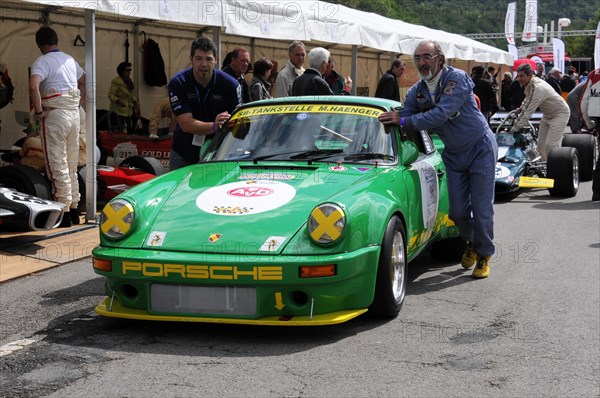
(328, 225)
(116, 218)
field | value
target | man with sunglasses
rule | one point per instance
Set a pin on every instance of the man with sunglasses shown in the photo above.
(443, 103)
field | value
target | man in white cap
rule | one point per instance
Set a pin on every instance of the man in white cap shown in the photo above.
(540, 68)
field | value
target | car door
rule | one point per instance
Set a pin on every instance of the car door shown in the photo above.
(427, 181)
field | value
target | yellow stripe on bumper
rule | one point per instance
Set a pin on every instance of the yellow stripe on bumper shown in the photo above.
(333, 318)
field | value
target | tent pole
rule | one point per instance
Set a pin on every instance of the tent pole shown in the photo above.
(138, 65)
(354, 69)
(90, 110)
(252, 51)
(217, 40)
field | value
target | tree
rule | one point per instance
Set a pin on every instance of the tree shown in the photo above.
(583, 46)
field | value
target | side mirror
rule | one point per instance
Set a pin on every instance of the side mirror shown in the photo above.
(408, 152)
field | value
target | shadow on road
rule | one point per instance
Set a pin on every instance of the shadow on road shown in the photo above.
(84, 329)
(455, 275)
(582, 205)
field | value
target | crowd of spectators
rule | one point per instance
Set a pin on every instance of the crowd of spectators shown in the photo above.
(194, 123)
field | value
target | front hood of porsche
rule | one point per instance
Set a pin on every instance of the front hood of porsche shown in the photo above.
(245, 209)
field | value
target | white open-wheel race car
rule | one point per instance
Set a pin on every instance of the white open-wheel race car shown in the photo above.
(26, 194)
(23, 211)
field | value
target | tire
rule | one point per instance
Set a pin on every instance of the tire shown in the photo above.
(25, 179)
(563, 167)
(586, 148)
(451, 249)
(146, 164)
(390, 287)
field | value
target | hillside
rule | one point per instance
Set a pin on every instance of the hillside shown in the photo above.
(487, 16)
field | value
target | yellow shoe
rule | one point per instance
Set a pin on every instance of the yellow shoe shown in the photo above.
(482, 270)
(469, 257)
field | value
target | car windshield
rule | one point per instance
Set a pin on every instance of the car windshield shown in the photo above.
(293, 132)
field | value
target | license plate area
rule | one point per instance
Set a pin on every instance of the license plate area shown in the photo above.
(222, 300)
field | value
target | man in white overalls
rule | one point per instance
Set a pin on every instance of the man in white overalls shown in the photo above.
(54, 86)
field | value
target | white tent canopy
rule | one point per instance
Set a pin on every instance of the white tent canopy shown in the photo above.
(295, 20)
(264, 26)
(338, 24)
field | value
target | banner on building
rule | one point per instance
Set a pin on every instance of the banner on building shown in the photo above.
(597, 48)
(512, 49)
(509, 22)
(558, 48)
(530, 27)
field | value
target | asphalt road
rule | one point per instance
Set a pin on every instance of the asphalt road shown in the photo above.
(531, 329)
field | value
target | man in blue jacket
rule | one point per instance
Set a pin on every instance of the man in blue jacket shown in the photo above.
(443, 102)
(202, 98)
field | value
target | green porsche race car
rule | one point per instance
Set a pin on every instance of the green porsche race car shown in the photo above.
(301, 211)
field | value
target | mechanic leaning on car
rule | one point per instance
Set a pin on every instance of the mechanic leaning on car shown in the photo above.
(202, 98)
(443, 102)
(55, 88)
(556, 112)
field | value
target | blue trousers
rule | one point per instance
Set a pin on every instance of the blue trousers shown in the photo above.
(471, 180)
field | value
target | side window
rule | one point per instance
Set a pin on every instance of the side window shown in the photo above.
(427, 142)
(415, 137)
(423, 141)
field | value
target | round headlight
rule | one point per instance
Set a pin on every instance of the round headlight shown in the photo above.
(116, 219)
(326, 223)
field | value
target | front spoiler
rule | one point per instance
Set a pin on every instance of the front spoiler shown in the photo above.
(535, 182)
(115, 310)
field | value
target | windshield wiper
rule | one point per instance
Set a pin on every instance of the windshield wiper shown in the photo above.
(301, 155)
(316, 154)
(369, 156)
(272, 155)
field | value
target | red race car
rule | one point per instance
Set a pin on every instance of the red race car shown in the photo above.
(158, 148)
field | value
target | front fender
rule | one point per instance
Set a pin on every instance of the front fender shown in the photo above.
(368, 207)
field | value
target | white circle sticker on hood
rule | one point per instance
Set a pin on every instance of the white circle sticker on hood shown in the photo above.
(245, 197)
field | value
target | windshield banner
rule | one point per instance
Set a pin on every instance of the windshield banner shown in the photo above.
(312, 108)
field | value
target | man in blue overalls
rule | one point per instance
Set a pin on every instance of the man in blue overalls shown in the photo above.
(443, 102)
